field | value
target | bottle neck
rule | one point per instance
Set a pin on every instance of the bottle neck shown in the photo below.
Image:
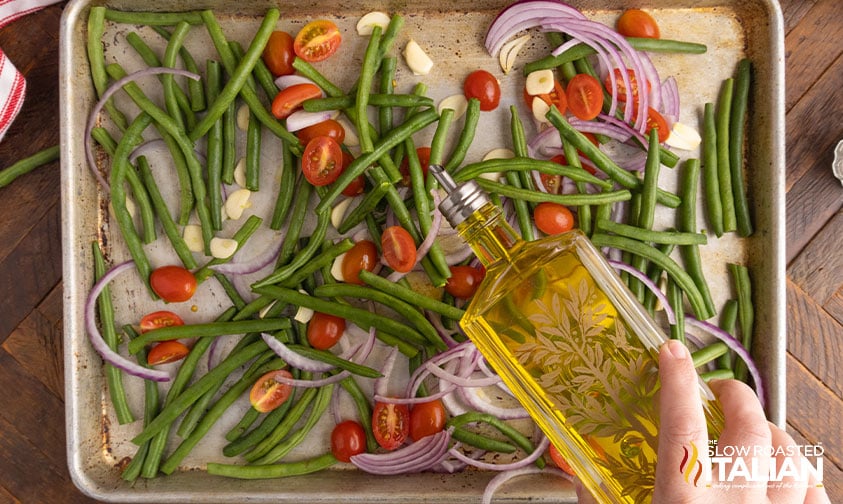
(489, 235)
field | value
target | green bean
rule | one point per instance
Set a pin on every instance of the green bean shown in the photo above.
(647, 205)
(736, 147)
(256, 435)
(320, 404)
(197, 94)
(207, 330)
(150, 409)
(711, 183)
(264, 77)
(717, 374)
(229, 142)
(482, 442)
(472, 171)
(728, 322)
(247, 420)
(253, 307)
(472, 117)
(241, 236)
(654, 272)
(284, 470)
(368, 204)
(364, 81)
(709, 353)
(363, 318)
(309, 71)
(96, 60)
(687, 222)
(324, 259)
(214, 150)
(303, 256)
(364, 410)
(387, 87)
(674, 270)
(743, 287)
(151, 59)
(440, 136)
(522, 210)
(602, 161)
(27, 164)
(172, 411)
(296, 222)
(649, 235)
(562, 199)
(253, 153)
(168, 80)
(410, 296)
(583, 211)
(329, 358)
(507, 430)
(152, 18)
(404, 309)
(285, 426)
(359, 165)
(676, 301)
(722, 118)
(215, 412)
(519, 146)
(286, 188)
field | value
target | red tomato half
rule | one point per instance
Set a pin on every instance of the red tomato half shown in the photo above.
(173, 284)
(278, 54)
(464, 281)
(484, 86)
(329, 127)
(268, 393)
(356, 186)
(159, 319)
(656, 120)
(398, 248)
(560, 462)
(317, 40)
(637, 23)
(322, 161)
(426, 419)
(347, 439)
(622, 93)
(585, 96)
(390, 424)
(166, 352)
(553, 218)
(324, 330)
(289, 99)
(362, 256)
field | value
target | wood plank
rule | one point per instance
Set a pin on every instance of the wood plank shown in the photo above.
(815, 410)
(793, 11)
(809, 144)
(834, 306)
(6, 497)
(818, 269)
(813, 45)
(809, 205)
(36, 344)
(832, 473)
(814, 338)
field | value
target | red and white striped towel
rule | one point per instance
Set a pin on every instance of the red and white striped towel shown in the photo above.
(12, 83)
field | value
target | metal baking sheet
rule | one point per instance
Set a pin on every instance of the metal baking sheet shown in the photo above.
(452, 33)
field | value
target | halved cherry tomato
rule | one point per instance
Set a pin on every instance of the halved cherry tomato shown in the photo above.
(552, 183)
(484, 86)
(321, 163)
(553, 218)
(464, 281)
(390, 424)
(362, 256)
(289, 99)
(398, 248)
(356, 186)
(347, 439)
(324, 330)
(424, 160)
(560, 462)
(585, 96)
(622, 92)
(166, 352)
(556, 97)
(329, 127)
(317, 40)
(268, 393)
(637, 23)
(278, 53)
(426, 419)
(159, 319)
(656, 120)
(173, 284)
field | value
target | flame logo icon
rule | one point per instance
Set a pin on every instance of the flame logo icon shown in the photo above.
(690, 461)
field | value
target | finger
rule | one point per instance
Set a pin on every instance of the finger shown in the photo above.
(788, 489)
(745, 439)
(683, 437)
(583, 495)
(816, 493)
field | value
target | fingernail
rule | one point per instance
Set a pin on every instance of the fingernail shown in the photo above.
(676, 349)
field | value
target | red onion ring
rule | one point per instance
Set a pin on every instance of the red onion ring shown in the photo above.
(294, 359)
(285, 81)
(301, 119)
(258, 263)
(113, 88)
(538, 452)
(461, 381)
(471, 396)
(97, 341)
(505, 476)
(415, 457)
(313, 383)
(382, 383)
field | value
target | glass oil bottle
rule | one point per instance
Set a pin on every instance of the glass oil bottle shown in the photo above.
(572, 344)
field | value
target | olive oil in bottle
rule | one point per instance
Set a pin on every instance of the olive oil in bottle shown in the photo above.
(572, 344)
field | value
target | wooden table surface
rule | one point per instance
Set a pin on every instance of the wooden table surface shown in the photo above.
(32, 435)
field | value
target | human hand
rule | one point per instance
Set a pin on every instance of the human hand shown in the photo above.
(683, 423)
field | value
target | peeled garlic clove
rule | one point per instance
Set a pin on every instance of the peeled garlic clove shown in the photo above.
(540, 109)
(303, 314)
(237, 202)
(458, 103)
(351, 139)
(499, 153)
(338, 212)
(509, 52)
(242, 117)
(367, 23)
(192, 235)
(240, 172)
(540, 82)
(336, 268)
(418, 60)
(223, 248)
(683, 137)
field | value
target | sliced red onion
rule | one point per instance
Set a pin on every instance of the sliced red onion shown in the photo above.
(261, 261)
(313, 383)
(446, 335)
(415, 400)
(538, 452)
(362, 352)
(422, 372)
(616, 130)
(416, 457)
(382, 383)
(435, 225)
(294, 359)
(461, 381)
(285, 81)
(110, 356)
(644, 279)
(458, 256)
(505, 476)
(301, 119)
(116, 86)
(653, 80)
(670, 99)
(472, 397)
(521, 16)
